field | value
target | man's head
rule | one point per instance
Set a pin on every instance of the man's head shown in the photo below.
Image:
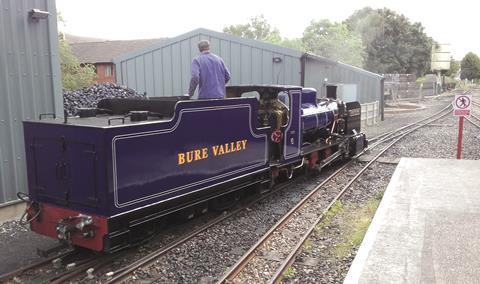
(203, 45)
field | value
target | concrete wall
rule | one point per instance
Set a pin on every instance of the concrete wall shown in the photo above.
(30, 83)
(164, 69)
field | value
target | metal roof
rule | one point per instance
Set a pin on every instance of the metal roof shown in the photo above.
(243, 41)
(76, 39)
(344, 65)
(202, 31)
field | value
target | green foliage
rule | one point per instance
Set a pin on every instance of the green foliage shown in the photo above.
(334, 41)
(378, 40)
(421, 79)
(336, 208)
(454, 68)
(258, 29)
(290, 272)
(392, 43)
(356, 223)
(307, 246)
(470, 67)
(295, 43)
(74, 75)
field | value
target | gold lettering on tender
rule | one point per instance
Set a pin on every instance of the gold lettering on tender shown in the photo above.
(238, 145)
(181, 158)
(204, 153)
(244, 144)
(189, 156)
(197, 154)
(215, 150)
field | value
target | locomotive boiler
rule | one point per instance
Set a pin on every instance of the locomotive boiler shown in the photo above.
(106, 179)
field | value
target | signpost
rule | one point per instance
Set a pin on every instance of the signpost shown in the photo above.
(461, 107)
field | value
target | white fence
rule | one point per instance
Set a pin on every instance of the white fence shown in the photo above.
(370, 113)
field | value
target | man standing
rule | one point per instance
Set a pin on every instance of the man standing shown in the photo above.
(209, 73)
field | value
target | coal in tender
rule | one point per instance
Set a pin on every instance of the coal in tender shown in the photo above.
(89, 97)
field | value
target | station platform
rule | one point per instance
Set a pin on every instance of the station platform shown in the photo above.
(426, 228)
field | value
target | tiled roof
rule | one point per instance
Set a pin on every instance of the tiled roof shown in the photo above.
(76, 39)
(105, 51)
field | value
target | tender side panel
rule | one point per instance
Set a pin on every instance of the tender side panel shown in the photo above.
(206, 144)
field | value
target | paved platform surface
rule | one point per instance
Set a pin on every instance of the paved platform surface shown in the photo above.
(427, 227)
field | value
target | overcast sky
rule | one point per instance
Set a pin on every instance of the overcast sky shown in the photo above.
(454, 23)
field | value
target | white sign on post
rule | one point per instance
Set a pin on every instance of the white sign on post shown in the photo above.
(462, 105)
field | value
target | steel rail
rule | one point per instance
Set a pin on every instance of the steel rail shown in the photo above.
(95, 263)
(125, 272)
(10, 275)
(474, 116)
(240, 265)
(393, 133)
(233, 272)
(473, 122)
(277, 277)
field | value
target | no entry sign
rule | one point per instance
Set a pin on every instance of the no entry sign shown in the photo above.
(462, 105)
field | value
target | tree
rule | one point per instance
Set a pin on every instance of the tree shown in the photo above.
(454, 68)
(295, 43)
(334, 41)
(392, 43)
(258, 29)
(470, 67)
(74, 74)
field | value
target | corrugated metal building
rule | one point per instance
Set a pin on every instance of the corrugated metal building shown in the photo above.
(357, 84)
(164, 69)
(30, 82)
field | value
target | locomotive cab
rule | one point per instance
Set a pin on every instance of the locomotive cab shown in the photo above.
(276, 112)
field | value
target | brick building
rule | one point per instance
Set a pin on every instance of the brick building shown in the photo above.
(100, 53)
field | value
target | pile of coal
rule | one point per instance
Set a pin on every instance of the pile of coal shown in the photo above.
(89, 97)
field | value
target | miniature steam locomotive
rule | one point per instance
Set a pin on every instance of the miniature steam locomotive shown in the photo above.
(106, 179)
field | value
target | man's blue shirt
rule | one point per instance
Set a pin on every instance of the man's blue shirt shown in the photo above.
(210, 74)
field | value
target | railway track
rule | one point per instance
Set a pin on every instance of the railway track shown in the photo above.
(71, 263)
(476, 119)
(124, 273)
(89, 266)
(44, 262)
(259, 257)
(472, 121)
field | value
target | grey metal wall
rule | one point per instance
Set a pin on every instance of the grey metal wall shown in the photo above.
(164, 69)
(369, 85)
(29, 83)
